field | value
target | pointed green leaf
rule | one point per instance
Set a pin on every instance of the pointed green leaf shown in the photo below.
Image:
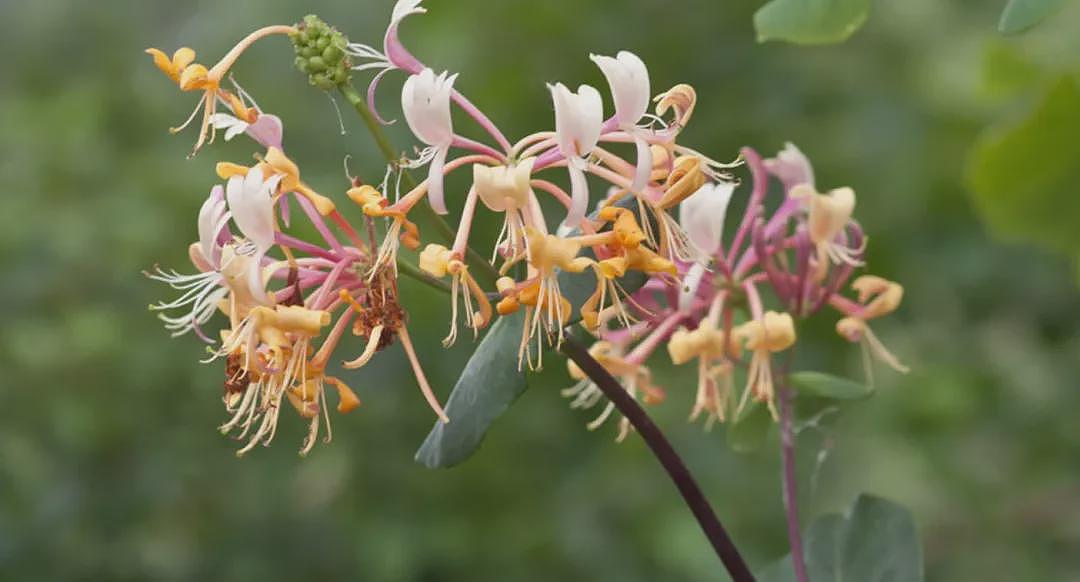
(876, 541)
(1020, 15)
(488, 385)
(810, 21)
(747, 433)
(1025, 176)
(829, 386)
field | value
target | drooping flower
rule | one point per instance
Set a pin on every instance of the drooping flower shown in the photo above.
(879, 297)
(773, 332)
(828, 216)
(506, 189)
(425, 101)
(204, 290)
(192, 76)
(635, 379)
(579, 118)
(628, 78)
(438, 261)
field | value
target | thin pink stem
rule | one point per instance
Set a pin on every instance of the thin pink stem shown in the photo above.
(757, 195)
(481, 119)
(320, 224)
(645, 349)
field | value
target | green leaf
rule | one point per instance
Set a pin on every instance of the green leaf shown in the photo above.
(747, 433)
(1020, 15)
(488, 385)
(829, 386)
(1025, 176)
(810, 21)
(875, 541)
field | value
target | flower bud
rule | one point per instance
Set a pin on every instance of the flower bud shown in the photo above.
(320, 53)
(435, 260)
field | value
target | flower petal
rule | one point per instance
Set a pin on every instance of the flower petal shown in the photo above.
(628, 78)
(702, 215)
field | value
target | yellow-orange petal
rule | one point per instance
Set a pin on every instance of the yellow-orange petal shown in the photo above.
(183, 57)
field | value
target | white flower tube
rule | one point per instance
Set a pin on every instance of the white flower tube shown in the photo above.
(425, 101)
(702, 216)
(628, 78)
(251, 203)
(578, 121)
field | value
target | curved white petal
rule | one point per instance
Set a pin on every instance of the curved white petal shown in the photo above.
(405, 8)
(435, 182)
(213, 216)
(579, 118)
(425, 101)
(702, 215)
(628, 78)
(644, 164)
(252, 206)
(579, 196)
(691, 282)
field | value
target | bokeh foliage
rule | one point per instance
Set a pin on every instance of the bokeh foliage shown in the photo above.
(111, 467)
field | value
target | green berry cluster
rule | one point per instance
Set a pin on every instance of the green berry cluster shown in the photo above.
(320, 53)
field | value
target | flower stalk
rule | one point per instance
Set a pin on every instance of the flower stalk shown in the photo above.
(669, 460)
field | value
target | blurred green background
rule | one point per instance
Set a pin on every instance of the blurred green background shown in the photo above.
(110, 464)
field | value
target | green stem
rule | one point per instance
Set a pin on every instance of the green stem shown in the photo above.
(358, 103)
(412, 271)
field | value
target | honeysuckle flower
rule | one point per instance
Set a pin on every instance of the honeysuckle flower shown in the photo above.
(437, 261)
(879, 297)
(773, 332)
(425, 101)
(579, 118)
(401, 230)
(192, 76)
(506, 189)
(624, 251)
(628, 78)
(204, 290)
(269, 350)
(715, 350)
(684, 180)
(266, 129)
(791, 167)
(829, 214)
(276, 163)
(251, 203)
(546, 308)
(701, 217)
(634, 378)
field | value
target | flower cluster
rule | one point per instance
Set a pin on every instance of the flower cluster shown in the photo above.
(289, 301)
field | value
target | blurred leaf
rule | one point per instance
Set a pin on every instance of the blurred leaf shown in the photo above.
(747, 433)
(1025, 176)
(829, 386)
(1020, 15)
(810, 21)
(488, 385)
(875, 541)
(1007, 71)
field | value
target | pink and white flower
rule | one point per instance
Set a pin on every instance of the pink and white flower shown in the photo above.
(579, 118)
(425, 100)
